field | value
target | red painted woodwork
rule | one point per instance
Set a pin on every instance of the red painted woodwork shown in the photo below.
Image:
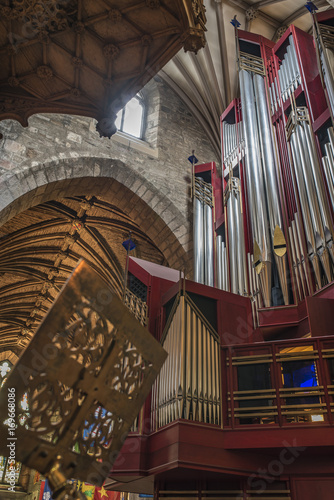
(307, 488)
(244, 452)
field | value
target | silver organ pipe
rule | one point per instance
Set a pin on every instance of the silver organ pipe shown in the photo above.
(320, 190)
(309, 184)
(219, 262)
(208, 232)
(236, 243)
(203, 233)
(198, 240)
(271, 185)
(254, 174)
(323, 35)
(288, 73)
(225, 269)
(188, 385)
(328, 164)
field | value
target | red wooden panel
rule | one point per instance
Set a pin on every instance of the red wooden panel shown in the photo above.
(321, 316)
(311, 489)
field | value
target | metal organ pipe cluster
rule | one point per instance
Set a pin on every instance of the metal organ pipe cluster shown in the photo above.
(221, 264)
(261, 180)
(273, 138)
(288, 77)
(323, 35)
(236, 242)
(203, 233)
(188, 385)
(328, 163)
(309, 185)
(303, 284)
(288, 73)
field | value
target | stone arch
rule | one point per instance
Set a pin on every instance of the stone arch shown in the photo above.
(9, 355)
(157, 215)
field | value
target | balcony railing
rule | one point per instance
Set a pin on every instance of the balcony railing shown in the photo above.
(136, 306)
(284, 383)
(281, 383)
(139, 309)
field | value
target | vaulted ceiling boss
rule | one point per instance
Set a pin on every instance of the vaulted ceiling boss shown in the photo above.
(88, 58)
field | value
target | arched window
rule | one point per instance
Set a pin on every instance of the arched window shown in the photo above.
(130, 119)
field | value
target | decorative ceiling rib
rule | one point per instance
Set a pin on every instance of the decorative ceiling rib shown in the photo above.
(88, 57)
(41, 246)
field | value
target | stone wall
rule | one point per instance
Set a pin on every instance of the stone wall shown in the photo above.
(57, 147)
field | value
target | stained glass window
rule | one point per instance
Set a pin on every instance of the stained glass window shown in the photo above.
(5, 367)
(2, 468)
(6, 468)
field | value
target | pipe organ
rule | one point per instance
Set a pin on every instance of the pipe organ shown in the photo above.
(274, 232)
(188, 385)
(254, 350)
(232, 201)
(203, 232)
(323, 31)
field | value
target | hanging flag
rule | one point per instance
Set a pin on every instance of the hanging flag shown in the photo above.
(86, 489)
(192, 158)
(103, 494)
(45, 491)
(311, 7)
(129, 245)
(235, 22)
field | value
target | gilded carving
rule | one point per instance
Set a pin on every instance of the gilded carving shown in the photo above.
(128, 371)
(199, 13)
(85, 376)
(193, 40)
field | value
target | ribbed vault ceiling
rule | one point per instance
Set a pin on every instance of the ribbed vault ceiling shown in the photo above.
(41, 246)
(207, 82)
